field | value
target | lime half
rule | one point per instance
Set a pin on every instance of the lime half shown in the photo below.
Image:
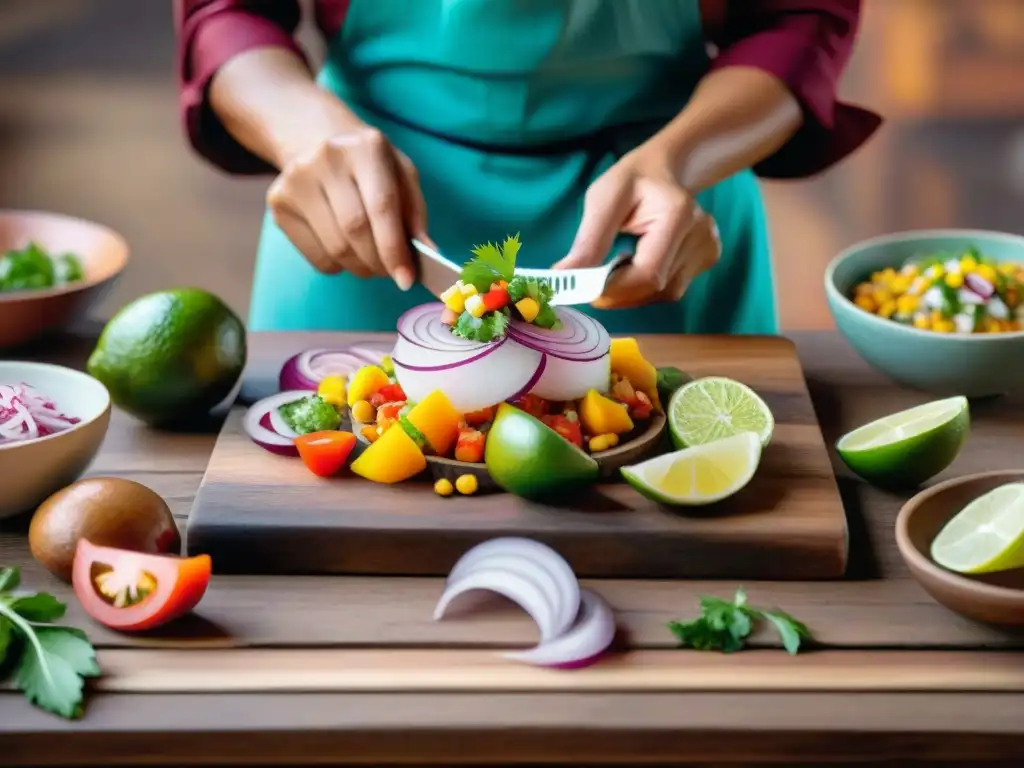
(700, 475)
(714, 408)
(985, 536)
(907, 448)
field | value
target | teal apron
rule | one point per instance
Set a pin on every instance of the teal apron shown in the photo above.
(510, 109)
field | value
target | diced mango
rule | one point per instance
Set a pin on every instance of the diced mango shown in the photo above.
(391, 458)
(528, 308)
(629, 362)
(365, 383)
(454, 299)
(475, 305)
(437, 420)
(601, 415)
(467, 289)
(332, 390)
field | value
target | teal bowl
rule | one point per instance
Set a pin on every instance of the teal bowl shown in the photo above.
(945, 364)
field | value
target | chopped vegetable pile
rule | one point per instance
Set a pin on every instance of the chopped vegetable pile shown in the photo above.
(32, 268)
(489, 294)
(946, 293)
(27, 414)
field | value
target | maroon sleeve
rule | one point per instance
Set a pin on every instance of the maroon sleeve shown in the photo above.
(806, 44)
(209, 32)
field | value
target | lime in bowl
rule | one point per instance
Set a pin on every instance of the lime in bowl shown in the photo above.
(943, 357)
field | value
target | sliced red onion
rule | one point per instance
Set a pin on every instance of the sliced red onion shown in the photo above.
(543, 559)
(260, 413)
(307, 369)
(26, 414)
(422, 327)
(564, 380)
(979, 285)
(520, 589)
(580, 336)
(279, 425)
(588, 638)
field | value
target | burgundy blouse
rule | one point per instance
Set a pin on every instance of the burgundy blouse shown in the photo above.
(804, 43)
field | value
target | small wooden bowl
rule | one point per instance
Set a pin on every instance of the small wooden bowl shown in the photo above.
(24, 315)
(996, 598)
(609, 461)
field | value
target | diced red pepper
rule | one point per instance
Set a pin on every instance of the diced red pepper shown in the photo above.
(392, 393)
(495, 299)
(470, 446)
(324, 453)
(387, 414)
(477, 418)
(533, 405)
(642, 408)
(566, 427)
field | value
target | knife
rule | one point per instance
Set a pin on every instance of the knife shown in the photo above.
(436, 273)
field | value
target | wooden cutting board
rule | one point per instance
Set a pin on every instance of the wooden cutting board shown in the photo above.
(260, 513)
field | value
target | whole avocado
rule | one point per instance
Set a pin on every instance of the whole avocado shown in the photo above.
(171, 356)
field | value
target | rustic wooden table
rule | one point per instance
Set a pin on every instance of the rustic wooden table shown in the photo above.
(310, 670)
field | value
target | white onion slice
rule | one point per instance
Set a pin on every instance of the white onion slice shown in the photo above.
(564, 379)
(520, 589)
(494, 552)
(270, 439)
(591, 635)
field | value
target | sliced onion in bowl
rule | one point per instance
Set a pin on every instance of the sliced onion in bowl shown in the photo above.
(255, 421)
(541, 556)
(520, 589)
(590, 636)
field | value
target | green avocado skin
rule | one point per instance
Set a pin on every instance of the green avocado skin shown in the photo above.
(528, 459)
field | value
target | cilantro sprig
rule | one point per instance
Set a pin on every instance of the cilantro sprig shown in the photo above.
(47, 662)
(725, 626)
(493, 262)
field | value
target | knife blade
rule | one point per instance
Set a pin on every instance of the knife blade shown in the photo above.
(436, 273)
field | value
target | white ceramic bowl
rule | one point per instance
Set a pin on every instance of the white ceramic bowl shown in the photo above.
(31, 471)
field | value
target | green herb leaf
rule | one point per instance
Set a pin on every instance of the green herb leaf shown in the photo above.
(53, 664)
(6, 635)
(725, 626)
(10, 578)
(310, 414)
(41, 608)
(492, 263)
(487, 328)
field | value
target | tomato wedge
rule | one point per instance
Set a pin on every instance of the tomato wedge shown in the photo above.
(136, 591)
(324, 453)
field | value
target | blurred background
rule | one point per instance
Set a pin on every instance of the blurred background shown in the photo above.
(89, 127)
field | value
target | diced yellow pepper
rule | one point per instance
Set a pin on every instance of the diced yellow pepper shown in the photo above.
(454, 299)
(528, 308)
(954, 280)
(475, 305)
(467, 289)
(365, 383)
(332, 390)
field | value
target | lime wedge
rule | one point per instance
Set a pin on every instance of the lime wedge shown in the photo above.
(714, 408)
(985, 536)
(700, 475)
(907, 448)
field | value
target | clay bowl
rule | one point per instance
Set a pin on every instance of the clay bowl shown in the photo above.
(25, 315)
(996, 598)
(609, 461)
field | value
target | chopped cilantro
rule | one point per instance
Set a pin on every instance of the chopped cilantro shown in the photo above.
(521, 287)
(310, 414)
(487, 328)
(546, 318)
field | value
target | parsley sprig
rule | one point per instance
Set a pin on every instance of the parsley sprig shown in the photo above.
(725, 626)
(46, 661)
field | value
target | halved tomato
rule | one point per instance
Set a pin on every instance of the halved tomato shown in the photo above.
(324, 453)
(135, 591)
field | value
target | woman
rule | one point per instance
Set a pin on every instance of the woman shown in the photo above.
(588, 126)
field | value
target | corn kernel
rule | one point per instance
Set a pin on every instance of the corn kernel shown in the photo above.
(454, 299)
(876, 277)
(444, 487)
(954, 280)
(985, 271)
(467, 289)
(363, 411)
(332, 390)
(922, 322)
(906, 305)
(920, 285)
(968, 264)
(881, 296)
(888, 309)
(528, 308)
(935, 271)
(475, 305)
(936, 317)
(599, 443)
(900, 284)
(866, 303)
(944, 326)
(466, 484)
(888, 273)
(863, 289)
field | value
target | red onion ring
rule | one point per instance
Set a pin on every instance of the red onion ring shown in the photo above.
(580, 338)
(259, 415)
(307, 369)
(422, 326)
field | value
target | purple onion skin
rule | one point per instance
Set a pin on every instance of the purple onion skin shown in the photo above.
(290, 377)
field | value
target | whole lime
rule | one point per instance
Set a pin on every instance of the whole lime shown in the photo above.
(171, 356)
(527, 458)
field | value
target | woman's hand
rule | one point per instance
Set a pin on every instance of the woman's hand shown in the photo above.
(640, 195)
(350, 203)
